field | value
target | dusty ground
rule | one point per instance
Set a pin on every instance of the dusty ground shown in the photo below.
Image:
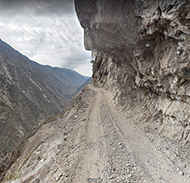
(96, 143)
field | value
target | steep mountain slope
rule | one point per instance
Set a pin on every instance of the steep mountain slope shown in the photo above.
(29, 94)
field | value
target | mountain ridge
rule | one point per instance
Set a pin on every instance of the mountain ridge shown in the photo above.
(30, 93)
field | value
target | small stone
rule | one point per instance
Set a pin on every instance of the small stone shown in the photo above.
(42, 160)
(181, 173)
(147, 45)
(36, 181)
(65, 138)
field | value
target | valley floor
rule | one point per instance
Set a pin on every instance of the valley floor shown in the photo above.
(95, 143)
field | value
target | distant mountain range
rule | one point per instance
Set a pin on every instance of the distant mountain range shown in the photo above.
(29, 94)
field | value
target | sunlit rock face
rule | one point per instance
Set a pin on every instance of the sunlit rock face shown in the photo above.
(142, 55)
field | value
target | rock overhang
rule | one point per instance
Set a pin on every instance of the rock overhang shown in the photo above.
(120, 24)
(108, 24)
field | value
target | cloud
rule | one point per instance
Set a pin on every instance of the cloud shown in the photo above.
(48, 34)
(38, 7)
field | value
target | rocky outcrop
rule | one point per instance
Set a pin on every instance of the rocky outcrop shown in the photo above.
(29, 95)
(142, 53)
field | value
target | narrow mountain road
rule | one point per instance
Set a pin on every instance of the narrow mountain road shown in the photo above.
(119, 151)
(95, 157)
(153, 163)
(96, 144)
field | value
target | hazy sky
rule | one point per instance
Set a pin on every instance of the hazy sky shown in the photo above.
(47, 31)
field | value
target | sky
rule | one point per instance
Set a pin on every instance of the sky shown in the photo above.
(47, 31)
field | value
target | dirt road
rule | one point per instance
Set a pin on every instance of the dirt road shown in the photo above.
(95, 144)
(120, 152)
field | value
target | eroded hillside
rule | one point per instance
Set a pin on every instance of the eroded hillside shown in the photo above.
(29, 95)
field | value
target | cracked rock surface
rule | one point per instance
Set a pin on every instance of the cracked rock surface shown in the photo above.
(141, 54)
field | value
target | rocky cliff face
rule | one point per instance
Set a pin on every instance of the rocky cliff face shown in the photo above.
(142, 55)
(29, 94)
